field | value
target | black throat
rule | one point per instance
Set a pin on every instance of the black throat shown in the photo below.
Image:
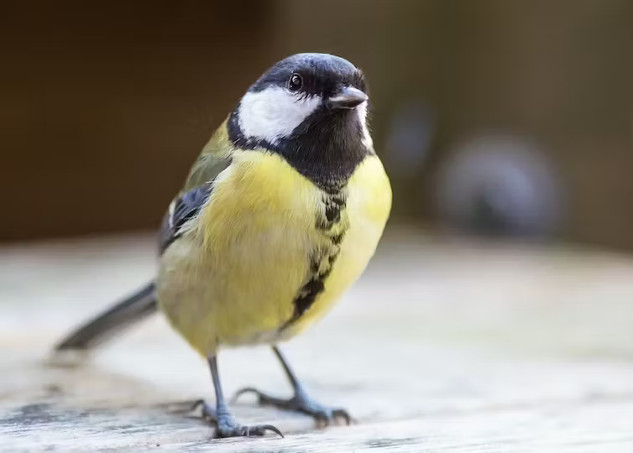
(326, 148)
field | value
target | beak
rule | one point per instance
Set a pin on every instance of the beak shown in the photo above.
(347, 98)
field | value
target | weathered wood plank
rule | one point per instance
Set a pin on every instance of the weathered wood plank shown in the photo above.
(441, 347)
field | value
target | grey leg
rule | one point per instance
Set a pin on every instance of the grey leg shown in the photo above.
(300, 402)
(226, 424)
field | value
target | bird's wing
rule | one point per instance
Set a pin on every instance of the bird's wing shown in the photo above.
(181, 210)
(215, 158)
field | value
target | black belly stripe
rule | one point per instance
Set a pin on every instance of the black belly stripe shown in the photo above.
(322, 260)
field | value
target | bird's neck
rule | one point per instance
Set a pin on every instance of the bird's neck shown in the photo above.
(326, 149)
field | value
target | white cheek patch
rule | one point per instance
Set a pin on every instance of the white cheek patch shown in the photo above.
(273, 113)
(362, 116)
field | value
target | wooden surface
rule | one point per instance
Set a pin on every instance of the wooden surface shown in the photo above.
(442, 346)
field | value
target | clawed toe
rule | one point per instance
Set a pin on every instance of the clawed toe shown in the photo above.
(341, 413)
(226, 425)
(323, 415)
(208, 413)
(263, 399)
(244, 391)
(234, 430)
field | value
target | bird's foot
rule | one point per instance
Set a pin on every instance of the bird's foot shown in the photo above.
(226, 426)
(301, 402)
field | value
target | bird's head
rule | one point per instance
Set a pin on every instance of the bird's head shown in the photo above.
(308, 107)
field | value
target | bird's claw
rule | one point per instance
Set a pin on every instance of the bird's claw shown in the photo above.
(208, 413)
(323, 415)
(235, 430)
(226, 426)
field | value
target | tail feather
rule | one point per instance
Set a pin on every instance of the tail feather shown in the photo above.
(122, 315)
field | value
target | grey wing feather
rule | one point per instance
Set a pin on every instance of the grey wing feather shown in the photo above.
(181, 210)
(213, 161)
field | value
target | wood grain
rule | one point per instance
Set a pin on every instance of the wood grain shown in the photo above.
(442, 346)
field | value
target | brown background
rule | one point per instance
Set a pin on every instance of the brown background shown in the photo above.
(104, 106)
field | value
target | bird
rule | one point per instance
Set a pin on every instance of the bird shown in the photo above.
(278, 217)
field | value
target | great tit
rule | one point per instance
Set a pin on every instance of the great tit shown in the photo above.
(279, 215)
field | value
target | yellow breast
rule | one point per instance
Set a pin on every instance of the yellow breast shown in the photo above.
(367, 208)
(235, 277)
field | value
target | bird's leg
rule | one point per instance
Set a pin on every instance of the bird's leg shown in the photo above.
(300, 402)
(226, 424)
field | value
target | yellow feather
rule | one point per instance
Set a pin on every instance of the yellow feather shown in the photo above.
(232, 279)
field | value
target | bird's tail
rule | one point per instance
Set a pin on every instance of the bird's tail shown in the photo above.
(127, 312)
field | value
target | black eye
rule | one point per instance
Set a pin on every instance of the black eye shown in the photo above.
(295, 83)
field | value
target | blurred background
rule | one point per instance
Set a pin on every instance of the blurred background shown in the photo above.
(492, 117)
